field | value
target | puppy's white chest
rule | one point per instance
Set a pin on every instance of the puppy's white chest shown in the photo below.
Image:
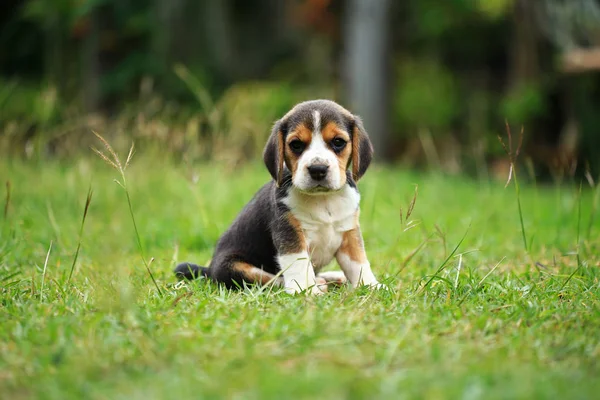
(324, 218)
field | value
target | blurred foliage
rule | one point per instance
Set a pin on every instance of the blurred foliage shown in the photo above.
(37, 104)
(426, 95)
(494, 9)
(250, 111)
(523, 104)
(203, 76)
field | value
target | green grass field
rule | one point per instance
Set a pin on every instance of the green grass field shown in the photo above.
(489, 323)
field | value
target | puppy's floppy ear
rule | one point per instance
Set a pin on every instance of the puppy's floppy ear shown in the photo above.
(273, 155)
(362, 149)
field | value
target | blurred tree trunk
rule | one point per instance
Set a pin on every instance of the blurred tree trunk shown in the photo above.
(557, 147)
(220, 31)
(90, 57)
(524, 64)
(168, 14)
(366, 45)
(53, 51)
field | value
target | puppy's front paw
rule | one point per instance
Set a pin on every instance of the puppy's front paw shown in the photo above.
(335, 278)
(376, 285)
(379, 286)
(317, 289)
(320, 286)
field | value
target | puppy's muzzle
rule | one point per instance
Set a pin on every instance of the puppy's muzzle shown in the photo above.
(318, 172)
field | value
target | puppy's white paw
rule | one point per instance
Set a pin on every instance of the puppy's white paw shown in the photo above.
(376, 285)
(379, 286)
(336, 278)
(315, 290)
(321, 285)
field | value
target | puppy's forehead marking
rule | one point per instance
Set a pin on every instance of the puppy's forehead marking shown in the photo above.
(306, 113)
(316, 121)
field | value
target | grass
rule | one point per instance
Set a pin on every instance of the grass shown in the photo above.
(470, 315)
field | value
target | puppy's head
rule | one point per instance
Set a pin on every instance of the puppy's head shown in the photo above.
(317, 141)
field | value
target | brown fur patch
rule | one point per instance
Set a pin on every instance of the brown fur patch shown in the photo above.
(344, 160)
(300, 243)
(303, 134)
(252, 273)
(332, 131)
(353, 246)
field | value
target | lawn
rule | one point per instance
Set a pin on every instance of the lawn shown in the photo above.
(493, 321)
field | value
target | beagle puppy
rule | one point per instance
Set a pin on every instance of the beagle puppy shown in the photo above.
(307, 215)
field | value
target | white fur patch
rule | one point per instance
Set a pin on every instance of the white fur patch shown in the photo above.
(357, 273)
(324, 218)
(317, 121)
(333, 276)
(298, 273)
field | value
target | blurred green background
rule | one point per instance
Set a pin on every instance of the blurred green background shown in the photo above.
(434, 80)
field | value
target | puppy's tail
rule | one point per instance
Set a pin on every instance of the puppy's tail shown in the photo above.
(190, 271)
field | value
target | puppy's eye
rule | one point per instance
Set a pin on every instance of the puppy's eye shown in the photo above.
(338, 144)
(297, 146)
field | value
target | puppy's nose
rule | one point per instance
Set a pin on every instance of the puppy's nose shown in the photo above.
(318, 171)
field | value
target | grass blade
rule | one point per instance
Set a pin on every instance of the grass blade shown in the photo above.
(7, 201)
(520, 209)
(411, 206)
(595, 199)
(458, 271)
(490, 272)
(85, 211)
(116, 163)
(443, 265)
(512, 174)
(139, 241)
(44, 271)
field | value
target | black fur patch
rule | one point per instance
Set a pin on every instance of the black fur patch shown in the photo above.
(271, 152)
(365, 148)
(350, 181)
(190, 271)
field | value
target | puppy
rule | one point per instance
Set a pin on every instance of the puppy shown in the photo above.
(307, 215)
